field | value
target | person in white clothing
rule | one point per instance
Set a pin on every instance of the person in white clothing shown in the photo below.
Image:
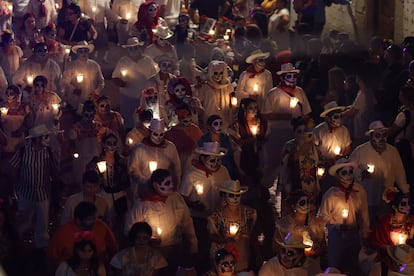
(380, 167)
(279, 25)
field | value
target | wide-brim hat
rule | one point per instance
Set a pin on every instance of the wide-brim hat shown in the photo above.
(256, 54)
(132, 42)
(292, 240)
(163, 32)
(233, 187)
(403, 254)
(37, 131)
(331, 106)
(375, 125)
(211, 148)
(340, 163)
(287, 68)
(158, 125)
(83, 44)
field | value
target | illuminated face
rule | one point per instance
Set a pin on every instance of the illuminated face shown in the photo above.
(260, 63)
(88, 115)
(302, 206)
(216, 126)
(161, 41)
(12, 96)
(233, 199)
(378, 139)
(111, 144)
(218, 76)
(290, 79)
(346, 175)
(211, 162)
(30, 23)
(39, 87)
(180, 91)
(404, 206)
(335, 119)
(45, 140)
(165, 188)
(290, 257)
(152, 10)
(104, 107)
(157, 137)
(225, 267)
(252, 109)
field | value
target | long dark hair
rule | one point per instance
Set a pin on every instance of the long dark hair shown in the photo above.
(74, 260)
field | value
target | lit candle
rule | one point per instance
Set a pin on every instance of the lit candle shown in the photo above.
(321, 171)
(226, 37)
(371, 168)
(402, 238)
(256, 88)
(57, 6)
(345, 213)
(101, 166)
(128, 16)
(398, 238)
(152, 165)
(307, 241)
(233, 228)
(254, 129)
(94, 9)
(79, 78)
(211, 32)
(293, 102)
(337, 150)
(159, 231)
(67, 51)
(124, 72)
(199, 187)
(55, 106)
(30, 80)
(233, 101)
(260, 238)
(130, 141)
(4, 110)
(76, 156)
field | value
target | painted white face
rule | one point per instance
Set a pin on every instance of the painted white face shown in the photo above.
(104, 107)
(336, 119)
(260, 63)
(225, 267)
(218, 76)
(404, 206)
(233, 199)
(151, 100)
(39, 87)
(211, 162)
(45, 140)
(290, 79)
(187, 121)
(216, 126)
(161, 41)
(346, 175)
(302, 206)
(157, 137)
(111, 144)
(165, 188)
(12, 96)
(290, 257)
(180, 91)
(379, 139)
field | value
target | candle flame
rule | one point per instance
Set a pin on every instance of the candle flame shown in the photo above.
(101, 166)
(293, 102)
(321, 171)
(345, 213)
(233, 101)
(76, 156)
(4, 110)
(124, 72)
(79, 78)
(256, 88)
(371, 168)
(254, 129)
(30, 80)
(234, 228)
(130, 141)
(152, 165)
(337, 150)
(199, 188)
(226, 37)
(128, 16)
(159, 231)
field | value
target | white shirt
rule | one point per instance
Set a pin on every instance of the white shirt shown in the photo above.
(259, 85)
(102, 10)
(51, 14)
(327, 142)
(274, 267)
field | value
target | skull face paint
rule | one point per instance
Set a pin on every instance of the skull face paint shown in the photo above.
(152, 10)
(12, 96)
(346, 175)
(104, 107)
(217, 71)
(218, 76)
(88, 115)
(260, 63)
(157, 137)
(39, 87)
(165, 188)
(216, 126)
(226, 266)
(378, 140)
(111, 144)
(211, 162)
(404, 206)
(187, 121)
(252, 109)
(290, 257)
(180, 91)
(161, 41)
(335, 119)
(233, 199)
(302, 206)
(290, 79)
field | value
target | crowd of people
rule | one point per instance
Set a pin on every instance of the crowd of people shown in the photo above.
(223, 108)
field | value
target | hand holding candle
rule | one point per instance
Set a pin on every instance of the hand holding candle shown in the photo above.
(293, 102)
(124, 72)
(321, 171)
(79, 78)
(337, 150)
(76, 156)
(256, 87)
(233, 100)
(29, 80)
(101, 166)
(199, 187)
(233, 228)
(152, 166)
(370, 168)
(4, 110)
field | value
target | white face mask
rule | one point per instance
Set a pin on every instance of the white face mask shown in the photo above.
(166, 187)
(218, 76)
(157, 138)
(186, 121)
(152, 10)
(336, 119)
(346, 175)
(45, 140)
(302, 206)
(379, 140)
(233, 199)
(290, 79)
(111, 144)
(104, 107)
(180, 91)
(212, 162)
(216, 126)
(404, 206)
(226, 266)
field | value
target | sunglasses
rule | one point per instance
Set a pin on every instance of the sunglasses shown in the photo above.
(104, 105)
(39, 85)
(110, 143)
(152, 98)
(41, 50)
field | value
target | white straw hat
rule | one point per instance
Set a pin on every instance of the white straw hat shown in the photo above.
(211, 148)
(38, 131)
(83, 44)
(233, 187)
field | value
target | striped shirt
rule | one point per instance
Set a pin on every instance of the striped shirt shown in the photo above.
(35, 171)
